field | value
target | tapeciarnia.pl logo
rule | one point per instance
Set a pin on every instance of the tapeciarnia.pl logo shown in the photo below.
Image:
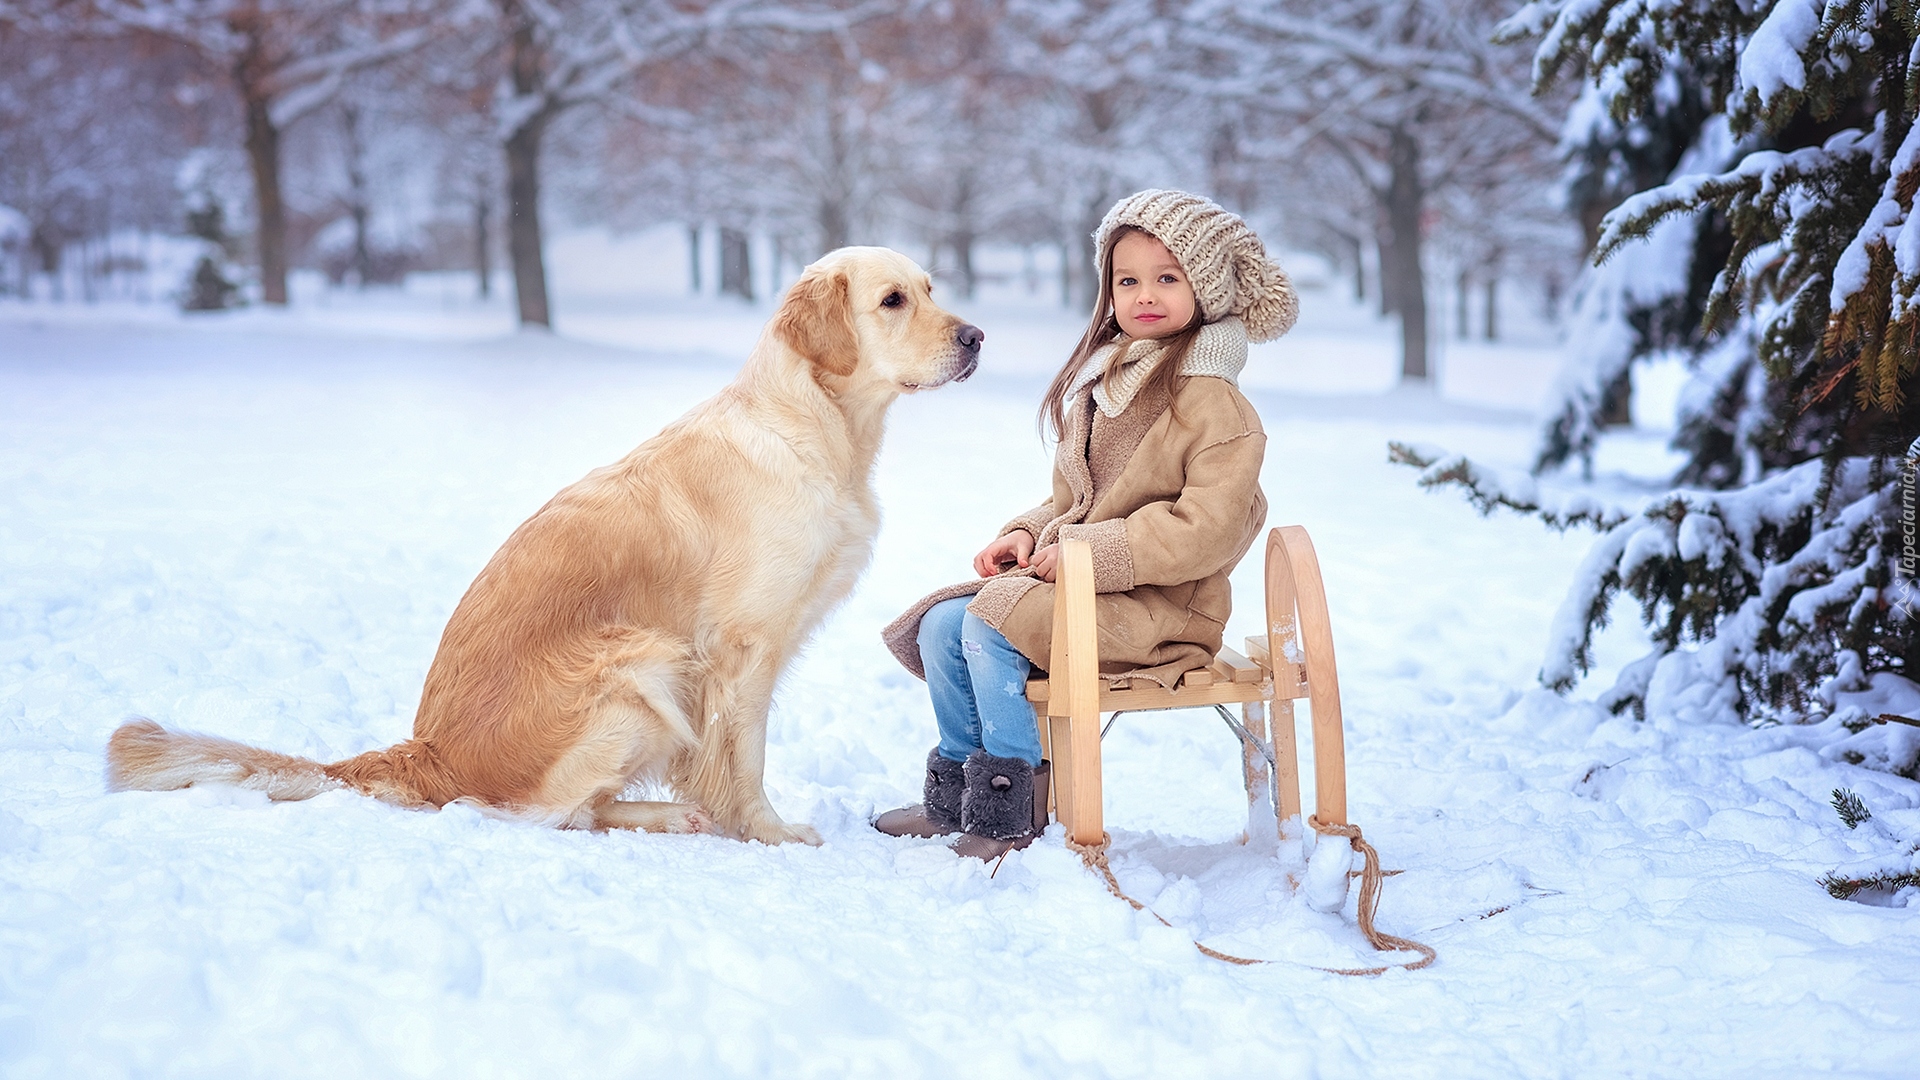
(1909, 560)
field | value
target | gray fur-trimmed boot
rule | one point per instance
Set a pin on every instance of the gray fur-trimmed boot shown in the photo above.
(1004, 807)
(939, 815)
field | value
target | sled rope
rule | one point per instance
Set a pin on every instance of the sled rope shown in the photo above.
(1095, 858)
(1371, 879)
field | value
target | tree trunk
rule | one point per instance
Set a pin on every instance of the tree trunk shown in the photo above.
(736, 264)
(270, 230)
(693, 257)
(1383, 257)
(362, 254)
(1087, 279)
(961, 238)
(1066, 272)
(49, 249)
(252, 73)
(523, 225)
(1463, 328)
(357, 197)
(833, 213)
(482, 259)
(1493, 297)
(523, 173)
(962, 244)
(1404, 204)
(1616, 401)
(1359, 269)
(836, 230)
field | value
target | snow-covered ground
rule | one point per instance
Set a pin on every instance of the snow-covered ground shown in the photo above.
(255, 525)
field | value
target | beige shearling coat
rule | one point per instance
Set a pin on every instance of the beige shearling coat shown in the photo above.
(1168, 507)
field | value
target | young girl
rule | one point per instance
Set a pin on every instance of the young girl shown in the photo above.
(1158, 468)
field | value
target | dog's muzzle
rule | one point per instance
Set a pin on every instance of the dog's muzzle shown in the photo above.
(966, 339)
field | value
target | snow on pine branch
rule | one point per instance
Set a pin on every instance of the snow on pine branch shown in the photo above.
(1763, 175)
(1754, 576)
(1772, 62)
(1613, 305)
(1873, 305)
(1760, 578)
(1780, 206)
(1488, 488)
(1890, 224)
(1622, 37)
(1789, 596)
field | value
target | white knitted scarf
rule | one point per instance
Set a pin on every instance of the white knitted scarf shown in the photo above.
(1219, 350)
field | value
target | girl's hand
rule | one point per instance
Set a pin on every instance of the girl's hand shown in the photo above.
(1015, 547)
(1046, 561)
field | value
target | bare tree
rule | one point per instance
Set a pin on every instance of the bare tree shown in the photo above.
(285, 58)
(771, 129)
(560, 55)
(1400, 93)
(1106, 118)
(91, 134)
(958, 147)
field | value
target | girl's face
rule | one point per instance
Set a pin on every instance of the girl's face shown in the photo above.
(1151, 295)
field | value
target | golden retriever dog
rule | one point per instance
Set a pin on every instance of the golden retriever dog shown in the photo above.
(633, 629)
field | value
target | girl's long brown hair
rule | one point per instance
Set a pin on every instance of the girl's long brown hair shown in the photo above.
(1105, 328)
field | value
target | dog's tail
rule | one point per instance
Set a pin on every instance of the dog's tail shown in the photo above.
(143, 756)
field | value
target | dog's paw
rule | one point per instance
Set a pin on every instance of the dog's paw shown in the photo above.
(694, 820)
(778, 832)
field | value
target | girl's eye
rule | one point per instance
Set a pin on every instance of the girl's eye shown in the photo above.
(894, 299)
(1127, 281)
(1169, 279)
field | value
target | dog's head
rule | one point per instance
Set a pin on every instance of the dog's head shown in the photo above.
(866, 315)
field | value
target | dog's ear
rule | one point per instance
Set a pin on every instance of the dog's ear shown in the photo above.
(816, 321)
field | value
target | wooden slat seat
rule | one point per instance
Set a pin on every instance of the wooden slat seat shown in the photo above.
(1071, 696)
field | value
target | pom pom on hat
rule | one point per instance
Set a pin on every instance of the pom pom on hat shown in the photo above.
(1225, 261)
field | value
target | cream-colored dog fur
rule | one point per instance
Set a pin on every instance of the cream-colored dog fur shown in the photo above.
(633, 628)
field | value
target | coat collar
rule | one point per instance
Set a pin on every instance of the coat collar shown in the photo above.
(1219, 350)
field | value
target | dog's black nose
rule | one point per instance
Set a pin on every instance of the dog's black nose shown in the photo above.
(969, 336)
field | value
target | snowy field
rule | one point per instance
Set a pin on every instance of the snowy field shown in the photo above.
(256, 524)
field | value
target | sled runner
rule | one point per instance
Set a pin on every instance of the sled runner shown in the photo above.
(1293, 659)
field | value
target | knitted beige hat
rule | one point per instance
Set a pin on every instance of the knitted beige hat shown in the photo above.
(1226, 262)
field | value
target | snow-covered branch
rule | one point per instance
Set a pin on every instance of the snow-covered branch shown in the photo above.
(306, 84)
(1448, 70)
(1488, 489)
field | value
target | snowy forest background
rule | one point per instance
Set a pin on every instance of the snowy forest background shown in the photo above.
(1720, 192)
(371, 138)
(1749, 168)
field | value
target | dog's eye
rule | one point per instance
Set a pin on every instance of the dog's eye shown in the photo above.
(894, 299)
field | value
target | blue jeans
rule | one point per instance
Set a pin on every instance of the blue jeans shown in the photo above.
(978, 681)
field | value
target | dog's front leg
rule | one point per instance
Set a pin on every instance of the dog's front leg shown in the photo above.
(726, 774)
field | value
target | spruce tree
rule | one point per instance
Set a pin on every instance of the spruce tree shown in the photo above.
(1780, 258)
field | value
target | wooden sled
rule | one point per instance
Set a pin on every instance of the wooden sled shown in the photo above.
(1293, 659)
